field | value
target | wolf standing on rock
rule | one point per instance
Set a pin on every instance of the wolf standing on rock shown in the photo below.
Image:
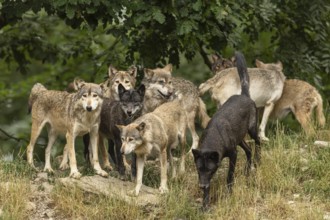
(70, 114)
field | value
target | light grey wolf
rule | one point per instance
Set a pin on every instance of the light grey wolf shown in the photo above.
(115, 77)
(227, 129)
(122, 112)
(265, 89)
(71, 114)
(162, 87)
(158, 131)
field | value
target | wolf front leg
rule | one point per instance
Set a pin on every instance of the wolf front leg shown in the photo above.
(140, 159)
(163, 171)
(70, 137)
(94, 140)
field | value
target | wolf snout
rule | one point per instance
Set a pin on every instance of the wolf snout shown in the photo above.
(129, 113)
(89, 108)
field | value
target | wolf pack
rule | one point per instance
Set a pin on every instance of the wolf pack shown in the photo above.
(139, 122)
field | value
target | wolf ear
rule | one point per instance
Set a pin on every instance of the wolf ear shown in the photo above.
(112, 71)
(259, 64)
(121, 89)
(141, 90)
(141, 126)
(196, 153)
(279, 65)
(120, 127)
(168, 67)
(78, 84)
(148, 73)
(132, 71)
(214, 58)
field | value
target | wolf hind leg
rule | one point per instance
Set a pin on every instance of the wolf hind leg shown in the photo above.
(52, 135)
(35, 132)
(268, 109)
(247, 150)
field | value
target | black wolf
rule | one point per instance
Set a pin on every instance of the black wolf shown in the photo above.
(227, 129)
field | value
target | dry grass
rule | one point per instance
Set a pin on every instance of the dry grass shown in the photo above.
(292, 182)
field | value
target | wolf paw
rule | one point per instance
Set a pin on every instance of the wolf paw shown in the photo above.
(163, 190)
(75, 175)
(107, 167)
(263, 138)
(64, 166)
(102, 173)
(48, 170)
(132, 193)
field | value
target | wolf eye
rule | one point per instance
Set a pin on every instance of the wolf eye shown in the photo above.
(122, 139)
(117, 81)
(170, 82)
(84, 95)
(130, 139)
(94, 95)
(126, 81)
(161, 82)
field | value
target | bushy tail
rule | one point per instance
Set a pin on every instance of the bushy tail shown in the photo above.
(34, 94)
(319, 111)
(243, 74)
(202, 113)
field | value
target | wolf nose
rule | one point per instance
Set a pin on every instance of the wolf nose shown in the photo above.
(89, 108)
(129, 112)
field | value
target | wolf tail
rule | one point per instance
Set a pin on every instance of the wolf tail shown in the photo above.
(319, 110)
(34, 94)
(202, 113)
(243, 74)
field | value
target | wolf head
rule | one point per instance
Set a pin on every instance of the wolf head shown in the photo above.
(90, 95)
(219, 63)
(131, 137)
(131, 100)
(116, 77)
(207, 164)
(159, 82)
(270, 66)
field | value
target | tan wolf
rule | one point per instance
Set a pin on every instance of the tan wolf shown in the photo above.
(266, 88)
(158, 131)
(70, 114)
(300, 98)
(126, 78)
(162, 87)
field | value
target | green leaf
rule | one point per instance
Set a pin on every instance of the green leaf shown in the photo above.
(158, 16)
(70, 12)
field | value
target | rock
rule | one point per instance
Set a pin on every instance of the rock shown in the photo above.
(114, 188)
(322, 143)
(47, 187)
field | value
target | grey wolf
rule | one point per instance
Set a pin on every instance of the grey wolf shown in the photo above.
(70, 114)
(158, 131)
(265, 89)
(219, 63)
(115, 77)
(122, 112)
(227, 129)
(162, 87)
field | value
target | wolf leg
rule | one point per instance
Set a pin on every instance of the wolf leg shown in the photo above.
(268, 109)
(52, 135)
(104, 153)
(140, 166)
(74, 173)
(247, 150)
(64, 163)
(96, 164)
(163, 171)
(305, 120)
(231, 170)
(35, 132)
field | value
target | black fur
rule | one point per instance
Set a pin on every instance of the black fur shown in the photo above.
(227, 129)
(113, 114)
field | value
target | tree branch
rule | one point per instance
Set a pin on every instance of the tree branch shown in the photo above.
(16, 138)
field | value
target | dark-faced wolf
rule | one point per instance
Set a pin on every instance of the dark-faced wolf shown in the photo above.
(227, 129)
(69, 114)
(162, 87)
(122, 112)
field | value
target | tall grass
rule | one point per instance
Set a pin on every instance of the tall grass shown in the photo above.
(292, 182)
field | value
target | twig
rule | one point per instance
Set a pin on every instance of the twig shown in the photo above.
(16, 138)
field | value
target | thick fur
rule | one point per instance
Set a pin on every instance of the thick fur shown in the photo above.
(161, 87)
(158, 131)
(301, 99)
(265, 89)
(219, 63)
(122, 112)
(227, 129)
(70, 114)
(126, 78)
